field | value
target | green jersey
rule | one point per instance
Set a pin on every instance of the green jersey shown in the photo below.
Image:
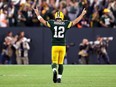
(59, 31)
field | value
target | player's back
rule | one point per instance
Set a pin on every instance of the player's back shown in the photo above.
(58, 29)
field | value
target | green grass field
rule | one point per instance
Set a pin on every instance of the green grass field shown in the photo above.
(73, 76)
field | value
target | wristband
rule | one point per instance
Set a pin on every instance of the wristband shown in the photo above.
(39, 17)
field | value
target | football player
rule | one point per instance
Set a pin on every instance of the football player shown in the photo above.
(58, 27)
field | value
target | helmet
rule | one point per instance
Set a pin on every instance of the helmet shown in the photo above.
(59, 14)
(106, 10)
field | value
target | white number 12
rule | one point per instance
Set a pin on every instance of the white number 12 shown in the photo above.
(59, 32)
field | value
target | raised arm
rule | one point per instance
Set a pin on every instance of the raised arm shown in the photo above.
(39, 16)
(79, 18)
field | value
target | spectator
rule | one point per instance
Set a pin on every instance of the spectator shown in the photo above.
(3, 20)
(7, 50)
(21, 19)
(22, 47)
(16, 4)
(95, 17)
(27, 14)
(73, 9)
(112, 8)
(105, 19)
(11, 10)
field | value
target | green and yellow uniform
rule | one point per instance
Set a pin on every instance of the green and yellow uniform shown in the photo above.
(58, 30)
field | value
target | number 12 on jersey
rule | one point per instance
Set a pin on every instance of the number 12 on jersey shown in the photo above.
(59, 32)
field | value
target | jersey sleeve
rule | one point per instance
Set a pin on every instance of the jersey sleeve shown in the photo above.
(69, 24)
(49, 23)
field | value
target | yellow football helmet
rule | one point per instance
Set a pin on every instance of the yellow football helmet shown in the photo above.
(106, 10)
(59, 14)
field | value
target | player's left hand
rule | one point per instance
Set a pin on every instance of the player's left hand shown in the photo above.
(84, 11)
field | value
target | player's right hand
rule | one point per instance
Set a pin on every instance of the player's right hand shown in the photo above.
(35, 10)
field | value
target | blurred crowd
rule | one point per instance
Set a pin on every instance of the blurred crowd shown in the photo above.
(15, 49)
(100, 13)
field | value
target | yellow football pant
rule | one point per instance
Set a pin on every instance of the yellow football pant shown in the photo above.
(58, 54)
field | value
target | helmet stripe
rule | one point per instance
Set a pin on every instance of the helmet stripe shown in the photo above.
(58, 14)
